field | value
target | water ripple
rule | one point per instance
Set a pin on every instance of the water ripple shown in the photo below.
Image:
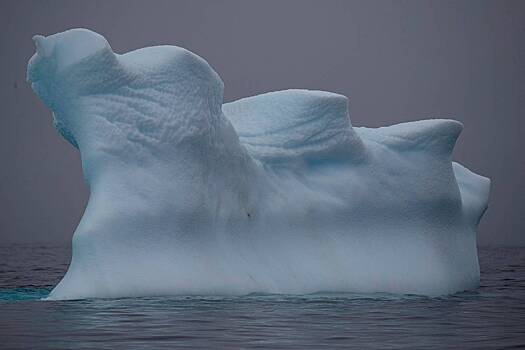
(491, 317)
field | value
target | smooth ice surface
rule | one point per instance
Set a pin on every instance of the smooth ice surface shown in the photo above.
(275, 193)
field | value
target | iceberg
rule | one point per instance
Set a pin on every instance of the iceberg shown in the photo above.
(275, 193)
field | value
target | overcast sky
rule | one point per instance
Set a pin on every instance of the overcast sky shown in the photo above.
(396, 60)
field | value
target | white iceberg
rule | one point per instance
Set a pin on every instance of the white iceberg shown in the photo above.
(275, 193)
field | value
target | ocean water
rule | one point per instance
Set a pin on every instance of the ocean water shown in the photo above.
(491, 317)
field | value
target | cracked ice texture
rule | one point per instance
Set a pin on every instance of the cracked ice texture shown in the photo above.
(275, 193)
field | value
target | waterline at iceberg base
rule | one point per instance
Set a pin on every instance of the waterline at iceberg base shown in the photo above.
(275, 193)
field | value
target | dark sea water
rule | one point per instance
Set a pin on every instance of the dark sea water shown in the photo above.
(492, 317)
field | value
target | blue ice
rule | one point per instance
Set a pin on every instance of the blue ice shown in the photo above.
(275, 193)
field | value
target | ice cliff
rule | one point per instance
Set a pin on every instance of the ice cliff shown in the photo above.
(275, 193)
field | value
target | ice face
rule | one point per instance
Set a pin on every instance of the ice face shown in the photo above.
(276, 193)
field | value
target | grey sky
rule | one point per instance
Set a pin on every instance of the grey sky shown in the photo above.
(396, 60)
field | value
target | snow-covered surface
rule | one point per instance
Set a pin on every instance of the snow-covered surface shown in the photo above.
(275, 193)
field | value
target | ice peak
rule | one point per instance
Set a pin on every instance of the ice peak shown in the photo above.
(292, 126)
(433, 135)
